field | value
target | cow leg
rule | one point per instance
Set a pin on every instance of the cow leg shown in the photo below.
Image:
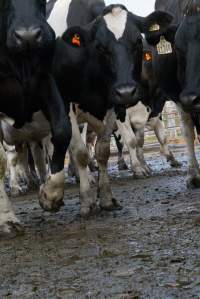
(139, 133)
(131, 142)
(9, 223)
(160, 133)
(193, 180)
(121, 162)
(52, 191)
(81, 159)
(39, 159)
(12, 161)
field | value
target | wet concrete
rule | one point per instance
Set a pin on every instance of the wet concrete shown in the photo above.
(150, 249)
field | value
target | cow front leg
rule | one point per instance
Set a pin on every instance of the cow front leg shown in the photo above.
(130, 140)
(52, 191)
(9, 223)
(102, 153)
(160, 133)
(81, 158)
(193, 180)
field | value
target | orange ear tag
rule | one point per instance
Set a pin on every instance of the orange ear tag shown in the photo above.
(147, 56)
(76, 40)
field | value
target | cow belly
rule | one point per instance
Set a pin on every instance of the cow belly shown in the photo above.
(35, 130)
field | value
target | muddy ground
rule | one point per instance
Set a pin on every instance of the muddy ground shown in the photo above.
(150, 249)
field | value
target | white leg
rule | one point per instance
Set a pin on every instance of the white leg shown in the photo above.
(102, 153)
(161, 135)
(8, 221)
(189, 135)
(81, 158)
(39, 158)
(12, 162)
(140, 150)
(129, 139)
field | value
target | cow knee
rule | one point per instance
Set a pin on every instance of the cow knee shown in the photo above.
(82, 157)
(102, 152)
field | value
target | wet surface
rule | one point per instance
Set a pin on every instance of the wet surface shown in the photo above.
(150, 249)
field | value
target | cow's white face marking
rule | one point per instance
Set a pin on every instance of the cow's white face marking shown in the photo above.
(116, 21)
(58, 17)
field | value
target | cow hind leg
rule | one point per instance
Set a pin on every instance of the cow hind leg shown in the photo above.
(9, 223)
(121, 162)
(139, 133)
(130, 140)
(160, 133)
(14, 181)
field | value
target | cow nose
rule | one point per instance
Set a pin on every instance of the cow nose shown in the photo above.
(28, 36)
(125, 94)
(190, 102)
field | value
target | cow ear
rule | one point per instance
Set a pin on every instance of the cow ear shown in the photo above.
(76, 36)
(154, 25)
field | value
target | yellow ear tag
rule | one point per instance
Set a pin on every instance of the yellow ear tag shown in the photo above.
(154, 27)
(76, 40)
(164, 47)
(147, 56)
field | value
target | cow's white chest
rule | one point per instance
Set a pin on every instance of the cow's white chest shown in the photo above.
(58, 17)
(35, 130)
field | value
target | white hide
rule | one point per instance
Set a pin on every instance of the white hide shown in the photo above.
(116, 21)
(58, 17)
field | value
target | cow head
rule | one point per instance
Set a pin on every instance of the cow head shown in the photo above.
(114, 42)
(26, 26)
(187, 43)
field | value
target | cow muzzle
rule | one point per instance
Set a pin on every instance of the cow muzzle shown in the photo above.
(124, 94)
(190, 102)
(28, 37)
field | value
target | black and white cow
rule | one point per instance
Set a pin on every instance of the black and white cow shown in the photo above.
(30, 103)
(177, 68)
(98, 66)
(145, 113)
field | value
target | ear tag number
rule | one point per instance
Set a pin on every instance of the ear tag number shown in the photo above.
(154, 27)
(164, 47)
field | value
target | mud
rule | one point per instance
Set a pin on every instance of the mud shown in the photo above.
(149, 249)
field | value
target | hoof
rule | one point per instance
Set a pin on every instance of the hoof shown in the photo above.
(140, 173)
(15, 192)
(193, 182)
(51, 201)
(87, 211)
(122, 166)
(175, 164)
(11, 229)
(111, 206)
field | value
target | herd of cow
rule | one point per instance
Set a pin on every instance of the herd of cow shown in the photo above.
(65, 63)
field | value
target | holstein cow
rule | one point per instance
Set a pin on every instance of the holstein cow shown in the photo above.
(147, 112)
(30, 103)
(176, 66)
(98, 66)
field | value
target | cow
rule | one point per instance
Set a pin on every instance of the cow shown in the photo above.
(146, 112)
(104, 60)
(176, 66)
(30, 105)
